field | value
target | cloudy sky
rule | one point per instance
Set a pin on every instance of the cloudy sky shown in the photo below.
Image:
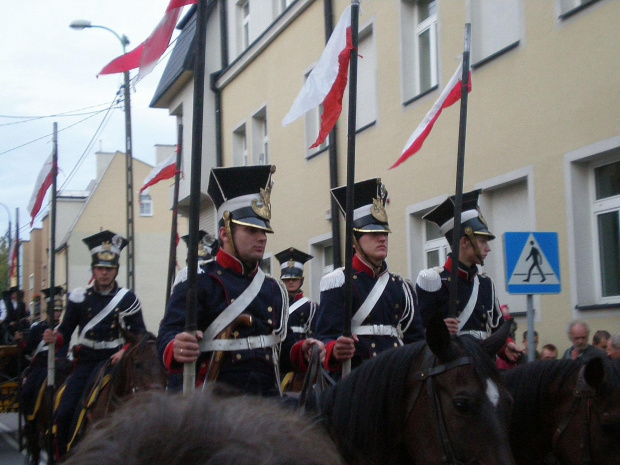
(49, 74)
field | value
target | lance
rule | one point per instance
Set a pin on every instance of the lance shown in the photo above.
(51, 349)
(189, 370)
(348, 266)
(175, 211)
(460, 167)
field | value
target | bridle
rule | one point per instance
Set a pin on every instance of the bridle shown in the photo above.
(131, 386)
(583, 395)
(427, 373)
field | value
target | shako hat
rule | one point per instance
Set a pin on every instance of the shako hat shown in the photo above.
(207, 244)
(105, 248)
(242, 195)
(369, 215)
(292, 263)
(472, 221)
(58, 291)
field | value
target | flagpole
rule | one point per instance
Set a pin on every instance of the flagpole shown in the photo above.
(348, 266)
(460, 168)
(17, 247)
(51, 303)
(175, 211)
(189, 369)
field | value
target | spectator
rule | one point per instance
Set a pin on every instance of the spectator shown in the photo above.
(526, 347)
(600, 339)
(579, 333)
(613, 347)
(549, 352)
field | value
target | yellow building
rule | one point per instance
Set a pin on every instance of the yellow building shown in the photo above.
(542, 136)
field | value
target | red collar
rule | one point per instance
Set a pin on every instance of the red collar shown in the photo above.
(298, 296)
(233, 263)
(361, 266)
(465, 273)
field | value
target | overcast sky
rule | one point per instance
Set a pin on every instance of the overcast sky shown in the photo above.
(49, 69)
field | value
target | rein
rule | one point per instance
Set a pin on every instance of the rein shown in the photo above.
(426, 375)
(583, 395)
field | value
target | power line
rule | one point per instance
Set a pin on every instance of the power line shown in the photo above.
(64, 113)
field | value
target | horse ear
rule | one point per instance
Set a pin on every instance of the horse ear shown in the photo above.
(496, 341)
(594, 372)
(438, 336)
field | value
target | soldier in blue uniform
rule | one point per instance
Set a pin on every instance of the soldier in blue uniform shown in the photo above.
(98, 311)
(301, 310)
(242, 314)
(385, 311)
(36, 350)
(478, 309)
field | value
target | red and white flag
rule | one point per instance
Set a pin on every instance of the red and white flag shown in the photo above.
(43, 182)
(327, 81)
(450, 95)
(150, 51)
(13, 250)
(165, 170)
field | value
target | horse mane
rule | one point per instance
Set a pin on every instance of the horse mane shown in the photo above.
(532, 384)
(366, 410)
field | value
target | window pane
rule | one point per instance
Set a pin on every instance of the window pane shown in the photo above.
(607, 180)
(609, 251)
(426, 8)
(432, 258)
(424, 52)
(328, 255)
(266, 265)
(432, 231)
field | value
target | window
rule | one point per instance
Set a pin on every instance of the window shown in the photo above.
(496, 28)
(593, 177)
(322, 250)
(419, 47)
(280, 6)
(570, 7)
(243, 24)
(146, 204)
(240, 146)
(265, 265)
(606, 211)
(260, 138)
(436, 247)
(328, 259)
(366, 112)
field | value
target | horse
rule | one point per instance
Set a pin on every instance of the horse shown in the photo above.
(209, 426)
(565, 412)
(425, 403)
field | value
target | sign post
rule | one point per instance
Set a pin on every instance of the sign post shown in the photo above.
(532, 267)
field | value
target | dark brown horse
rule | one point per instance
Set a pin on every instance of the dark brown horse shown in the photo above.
(441, 403)
(565, 412)
(138, 370)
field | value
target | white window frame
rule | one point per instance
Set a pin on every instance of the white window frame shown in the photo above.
(318, 265)
(367, 98)
(312, 125)
(582, 246)
(567, 8)
(146, 201)
(410, 45)
(240, 145)
(243, 24)
(260, 137)
(599, 207)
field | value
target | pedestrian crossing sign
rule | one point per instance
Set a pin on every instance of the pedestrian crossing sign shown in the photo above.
(532, 263)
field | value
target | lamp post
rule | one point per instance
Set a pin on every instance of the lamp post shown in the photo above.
(8, 212)
(83, 24)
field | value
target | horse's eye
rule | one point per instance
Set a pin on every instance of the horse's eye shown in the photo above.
(462, 405)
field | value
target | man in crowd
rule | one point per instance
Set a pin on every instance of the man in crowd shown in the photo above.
(579, 332)
(600, 338)
(98, 311)
(384, 306)
(478, 311)
(613, 347)
(549, 352)
(242, 314)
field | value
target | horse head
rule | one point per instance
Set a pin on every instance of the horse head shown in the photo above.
(140, 369)
(458, 410)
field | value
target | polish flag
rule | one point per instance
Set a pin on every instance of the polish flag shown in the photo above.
(44, 181)
(450, 95)
(327, 81)
(165, 170)
(146, 55)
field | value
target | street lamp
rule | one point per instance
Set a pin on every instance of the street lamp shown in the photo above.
(80, 24)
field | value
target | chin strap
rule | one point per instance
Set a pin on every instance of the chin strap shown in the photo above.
(360, 251)
(469, 233)
(228, 227)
